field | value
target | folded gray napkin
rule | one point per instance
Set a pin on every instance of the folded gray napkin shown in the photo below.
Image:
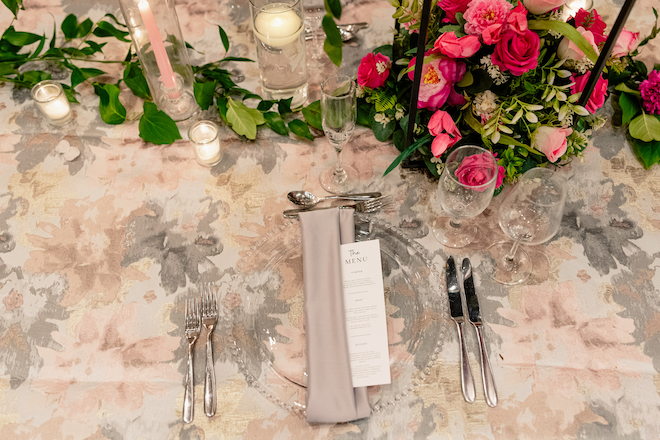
(331, 397)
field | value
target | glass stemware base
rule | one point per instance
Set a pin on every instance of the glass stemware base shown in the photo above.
(452, 234)
(339, 183)
(506, 270)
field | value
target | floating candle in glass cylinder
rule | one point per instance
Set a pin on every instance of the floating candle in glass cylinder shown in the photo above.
(52, 102)
(204, 137)
(278, 25)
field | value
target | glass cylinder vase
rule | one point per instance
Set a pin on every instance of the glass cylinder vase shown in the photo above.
(159, 44)
(279, 35)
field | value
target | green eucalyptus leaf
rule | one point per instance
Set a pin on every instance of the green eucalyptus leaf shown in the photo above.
(284, 106)
(156, 126)
(333, 44)
(623, 87)
(13, 6)
(383, 132)
(647, 152)
(629, 106)
(241, 120)
(300, 128)
(111, 109)
(224, 38)
(333, 7)
(31, 77)
(257, 116)
(135, 80)
(84, 28)
(93, 47)
(312, 115)
(274, 122)
(70, 93)
(221, 102)
(79, 75)
(265, 105)
(20, 39)
(204, 93)
(39, 48)
(105, 29)
(69, 26)
(645, 127)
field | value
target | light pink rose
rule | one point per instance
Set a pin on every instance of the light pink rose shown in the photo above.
(568, 49)
(626, 43)
(597, 98)
(486, 19)
(454, 47)
(537, 7)
(373, 70)
(442, 126)
(551, 141)
(437, 85)
(479, 170)
(517, 52)
(591, 21)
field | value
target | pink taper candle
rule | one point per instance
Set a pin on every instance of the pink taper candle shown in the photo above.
(164, 65)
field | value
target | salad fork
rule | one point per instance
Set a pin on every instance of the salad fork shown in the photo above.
(193, 326)
(209, 319)
(363, 206)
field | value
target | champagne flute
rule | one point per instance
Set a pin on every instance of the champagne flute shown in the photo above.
(314, 12)
(338, 115)
(465, 189)
(531, 213)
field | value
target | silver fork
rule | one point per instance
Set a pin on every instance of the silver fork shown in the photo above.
(209, 319)
(365, 206)
(193, 323)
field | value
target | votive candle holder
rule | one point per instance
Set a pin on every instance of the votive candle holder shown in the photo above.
(204, 137)
(52, 102)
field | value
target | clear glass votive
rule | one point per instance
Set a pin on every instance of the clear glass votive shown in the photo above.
(204, 138)
(51, 100)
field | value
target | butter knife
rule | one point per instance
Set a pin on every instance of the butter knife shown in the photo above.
(456, 310)
(475, 318)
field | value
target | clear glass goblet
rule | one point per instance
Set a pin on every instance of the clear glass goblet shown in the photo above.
(465, 189)
(338, 115)
(531, 214)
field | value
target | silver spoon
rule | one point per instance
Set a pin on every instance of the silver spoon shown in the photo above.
(347, 31)
(308, 200)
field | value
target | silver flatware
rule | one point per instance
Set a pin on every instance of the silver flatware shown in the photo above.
(475, 319)
(308, 200)
(193, 324)
(347, 31)
(209, 319)
(456, 311)
(365, 206)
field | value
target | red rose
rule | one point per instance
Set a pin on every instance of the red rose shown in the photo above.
(373, 70)
(597, 98)
(591, 21)
(517, 52)
(453, 7)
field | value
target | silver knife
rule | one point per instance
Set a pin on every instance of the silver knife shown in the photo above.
(456, 310)
(475, 318)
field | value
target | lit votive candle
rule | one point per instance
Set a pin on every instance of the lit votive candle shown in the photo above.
(204, 137)
(277, 25)
(52, 102)
(572, 7)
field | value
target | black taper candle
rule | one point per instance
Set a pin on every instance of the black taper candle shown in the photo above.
(419, 64)
(606, 52)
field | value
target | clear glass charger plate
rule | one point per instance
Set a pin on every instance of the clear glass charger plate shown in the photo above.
(268, 339)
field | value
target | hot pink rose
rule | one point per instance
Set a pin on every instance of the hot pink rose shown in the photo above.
(597, 98)
(442, 126)
(591, 21)
(517, 52)
(454, 47)
(568, 49)
(551, 141)
(437, 85)
(486, 19)
(517, 19)
(373, 70)
(478, 171)
(626, 43)
(537, 7)
(453, 7)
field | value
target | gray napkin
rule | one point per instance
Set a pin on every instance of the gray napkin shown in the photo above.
(331, 397)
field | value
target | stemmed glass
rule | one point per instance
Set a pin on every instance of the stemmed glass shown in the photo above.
(531, 213)
(338, 115)
(314, 12)
(465, 189)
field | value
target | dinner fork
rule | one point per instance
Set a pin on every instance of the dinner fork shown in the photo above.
(193, 326)
(209, 319)
(363, 206)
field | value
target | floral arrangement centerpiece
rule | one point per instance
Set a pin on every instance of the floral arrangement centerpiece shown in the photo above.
(508, 75)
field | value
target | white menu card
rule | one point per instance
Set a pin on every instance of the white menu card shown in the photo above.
(364, 301)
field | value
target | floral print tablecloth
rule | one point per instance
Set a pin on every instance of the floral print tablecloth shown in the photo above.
(98, 254)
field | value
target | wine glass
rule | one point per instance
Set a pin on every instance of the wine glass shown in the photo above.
(531, 213)
(314, 12)
(465, 189)
(338, 115)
